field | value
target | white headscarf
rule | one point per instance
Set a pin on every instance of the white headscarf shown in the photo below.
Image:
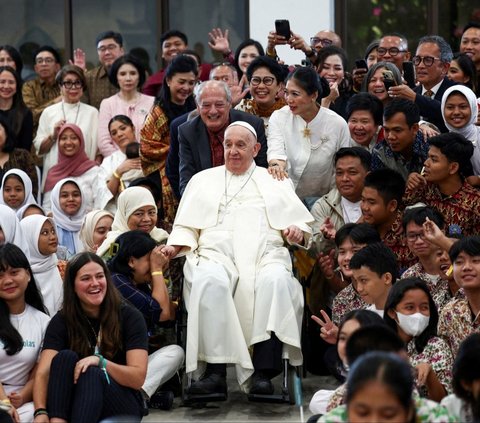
(88, 227)
(11, 229)
(64, 221)
(470, 131)
(27, 184)
(129, 201)
(45, 270)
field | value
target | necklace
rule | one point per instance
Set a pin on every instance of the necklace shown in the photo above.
(306, 131)
(98, 337)
(227, 202)
(65, 116)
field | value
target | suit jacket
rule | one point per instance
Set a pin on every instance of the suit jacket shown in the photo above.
(430, 109)
(173, 160)
(195, 152)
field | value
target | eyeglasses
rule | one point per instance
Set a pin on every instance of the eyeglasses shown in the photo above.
(427, 60)
(208, 106)
(72, 84)
(110, 47)
(267, 80)
(413, 237)
(324, 41)
(46, 60)
(392, 51)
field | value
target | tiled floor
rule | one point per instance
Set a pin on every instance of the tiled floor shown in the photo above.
(238, 409)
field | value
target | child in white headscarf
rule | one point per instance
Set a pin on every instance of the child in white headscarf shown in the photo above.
(16, 190)
(95, 228)
(10, 230)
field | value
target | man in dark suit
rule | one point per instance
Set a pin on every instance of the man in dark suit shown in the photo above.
(431, 61)
(201, 139)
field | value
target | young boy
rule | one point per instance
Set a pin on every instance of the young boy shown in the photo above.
(374, 269)
(430, 268)
(381, 207)
(461, 316)
(443, 185)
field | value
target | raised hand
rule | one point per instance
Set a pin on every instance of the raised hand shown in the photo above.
(328, 229)
(327, 263)
(329, 330)
(219, 40)
(79, 59)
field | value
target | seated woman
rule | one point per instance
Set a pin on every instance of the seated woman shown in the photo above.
(121, 167)
(16, 190)
(380, 388)
(73, 163)
(94, 356)
(137, 272)
(23, 321)
(95, 228)
(42, 238)
(15, 158)
(411, 312)
(10, 230)
(265, 77)
(68, 211)
(136, 210)
(14, 109)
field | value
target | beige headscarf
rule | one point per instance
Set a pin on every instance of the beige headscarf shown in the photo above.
(129, 201)
(88, 228)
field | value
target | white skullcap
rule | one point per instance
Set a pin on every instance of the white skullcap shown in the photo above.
(245, 125)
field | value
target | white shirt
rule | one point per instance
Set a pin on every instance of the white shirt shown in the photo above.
(351, 211)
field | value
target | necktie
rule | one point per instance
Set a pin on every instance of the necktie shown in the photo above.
(428, 93)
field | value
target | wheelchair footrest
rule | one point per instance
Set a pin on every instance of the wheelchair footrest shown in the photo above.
(203, 398)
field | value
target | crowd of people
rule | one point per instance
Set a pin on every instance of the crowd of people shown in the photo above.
(325, 214)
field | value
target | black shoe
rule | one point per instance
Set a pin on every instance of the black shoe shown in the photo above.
(261, 384)
(209, 383)
(162, 400)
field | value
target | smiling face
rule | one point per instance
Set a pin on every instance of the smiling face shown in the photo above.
(457, 110)
(241, 148)
(108, 51)
(393, 42)
(47, 240)
(348, 328)
(13, 192)
(68, 143)
(346, 250)
(102, 228)
(377, 87)
(349, 177)
(171, 47)
(213, 107)
(470, 44)
(374, 209)
(332, 69)
(122, 133)
(6, 59)
(74, 93)
(466, 271)
(429, 76)
(181, 86)
(362, 127)
(456, 74)
(127, 77)
(264, 87)
(371, 287)
(399, 135)
(8, 85)
(13, 284)
(298, 100)
(70, 198)
(246, 57)
(416, 241)
(143, 219)
(90, 286)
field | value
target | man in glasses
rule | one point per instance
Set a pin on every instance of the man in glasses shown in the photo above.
(109, 48)
(432, 60)
(42, 91)
(393, 48)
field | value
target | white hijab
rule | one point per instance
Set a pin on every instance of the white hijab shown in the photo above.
(45, 270)
(64, 221)
(470, 131)
(11, 229)
(129, 201)
(88, 227)
(27, 185)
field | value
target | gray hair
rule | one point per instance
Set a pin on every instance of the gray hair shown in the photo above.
(211, 84)
(379, 65)
(446, 54)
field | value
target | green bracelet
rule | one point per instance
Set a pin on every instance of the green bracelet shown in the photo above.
(102, 363)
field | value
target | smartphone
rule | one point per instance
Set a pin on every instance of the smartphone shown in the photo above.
(388, 79)
(361, 64)
(282, 27)
(409, 74)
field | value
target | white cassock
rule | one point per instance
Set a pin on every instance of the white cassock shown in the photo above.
(239, 285)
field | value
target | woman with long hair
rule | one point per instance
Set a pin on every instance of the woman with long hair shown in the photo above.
(23, 321)
(94, 356)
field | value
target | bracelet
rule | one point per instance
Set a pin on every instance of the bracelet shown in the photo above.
(102, 363)
(116, 175)
(157, 273)
(40, 411)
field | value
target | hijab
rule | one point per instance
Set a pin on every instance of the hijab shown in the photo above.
(44, 268)
(12, 230)
(68, 227)
(27, 186)
(69, 166)
(129, 201)
(88, 227)
(470, 131)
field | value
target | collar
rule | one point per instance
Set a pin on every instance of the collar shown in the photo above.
(435, 88)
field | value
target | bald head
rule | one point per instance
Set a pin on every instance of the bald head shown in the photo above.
(324, 38)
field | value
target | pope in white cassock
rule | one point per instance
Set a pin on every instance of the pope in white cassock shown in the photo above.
(232, 224)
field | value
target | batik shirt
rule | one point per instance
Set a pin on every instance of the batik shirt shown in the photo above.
(346, 300)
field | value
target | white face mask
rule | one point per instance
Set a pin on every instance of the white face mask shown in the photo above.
(413, 324)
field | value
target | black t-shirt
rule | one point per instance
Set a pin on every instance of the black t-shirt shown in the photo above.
(133, 327)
